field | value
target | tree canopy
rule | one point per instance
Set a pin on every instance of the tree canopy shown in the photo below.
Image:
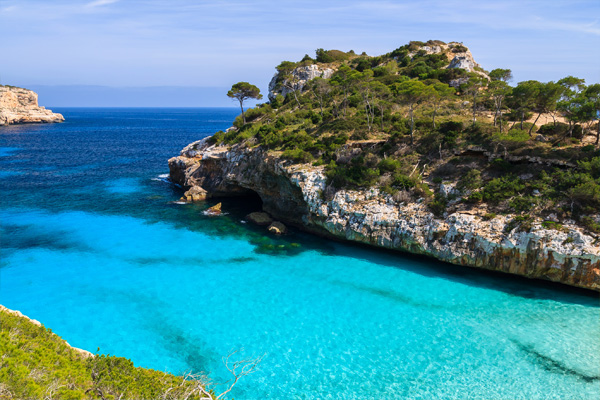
(242, 91)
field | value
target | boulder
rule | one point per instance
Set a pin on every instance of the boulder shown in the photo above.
(214, 210)
(277, 228)
(195, 194)
(259, 218)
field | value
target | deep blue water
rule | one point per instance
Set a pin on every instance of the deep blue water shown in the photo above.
(94, 246)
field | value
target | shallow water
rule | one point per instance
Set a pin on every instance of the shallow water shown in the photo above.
(94, 246)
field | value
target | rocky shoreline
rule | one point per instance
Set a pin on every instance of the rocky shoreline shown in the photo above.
(20, 106)
(296, 195)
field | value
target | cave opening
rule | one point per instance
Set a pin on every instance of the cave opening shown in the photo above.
(243, 202)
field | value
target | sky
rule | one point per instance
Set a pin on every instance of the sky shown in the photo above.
(88, 52)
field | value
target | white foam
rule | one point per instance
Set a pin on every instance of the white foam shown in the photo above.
(166, 179)
(213, 214)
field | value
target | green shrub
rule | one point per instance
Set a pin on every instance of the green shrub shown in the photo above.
(297, 155)
(551, 129)
(353, 175)
(459, 48)
(592, 167)
(327, 56)
(500, 164)
(552, 225)
(513, 136)
(475, 197)
(590, 224)
(217, 138)
(502, 188)
(586, 195)
(523, 223)
(521, 204)
(471, 180)
(404, 182)
(389, 165)
(438, 205)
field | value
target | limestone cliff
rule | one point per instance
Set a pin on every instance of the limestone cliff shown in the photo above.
(301, 76)
(20, 106)
(295, 194)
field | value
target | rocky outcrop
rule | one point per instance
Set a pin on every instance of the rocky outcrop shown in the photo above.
(300, 76)
(294, 194)
(458, 55)
(20, 106)
(259, 218)
(277, 228)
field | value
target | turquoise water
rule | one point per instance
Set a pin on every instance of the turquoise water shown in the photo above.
(94, 246)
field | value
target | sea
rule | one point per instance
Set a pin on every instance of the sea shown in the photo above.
(96, 246)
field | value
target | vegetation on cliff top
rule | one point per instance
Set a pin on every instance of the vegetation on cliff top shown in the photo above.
(38, 364)
(408, 124)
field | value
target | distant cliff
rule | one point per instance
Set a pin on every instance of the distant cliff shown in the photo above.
(20, 106)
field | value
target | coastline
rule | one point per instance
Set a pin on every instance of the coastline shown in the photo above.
(294, 194)
(82, 352)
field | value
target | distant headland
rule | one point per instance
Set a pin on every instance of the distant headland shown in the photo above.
(20, 106)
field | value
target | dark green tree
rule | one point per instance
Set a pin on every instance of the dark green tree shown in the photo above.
(242, 91)
(499, 90)
(412, 93)
(321, 89)
(567, 105)
(441, 92)
(473, 88)
(546, 99)
(592, 96)
(522, 97)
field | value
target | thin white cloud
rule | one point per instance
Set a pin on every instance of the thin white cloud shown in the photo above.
(99, 3)
(8, 9)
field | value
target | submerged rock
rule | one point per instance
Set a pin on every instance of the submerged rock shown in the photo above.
(259, 218)
(277, 228)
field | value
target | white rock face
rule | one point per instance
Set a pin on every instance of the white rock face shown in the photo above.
(20, 106)
(302, 75)
(294, 193)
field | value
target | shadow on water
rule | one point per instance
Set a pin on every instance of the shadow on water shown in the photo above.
(188, 348)
(392, 295)
(22, 237)
(234, 225)
(551, 365)
(296, 242)
(510, 284)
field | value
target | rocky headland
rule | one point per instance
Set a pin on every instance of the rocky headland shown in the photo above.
(295, 194)
(349, 147)
(20, 106)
